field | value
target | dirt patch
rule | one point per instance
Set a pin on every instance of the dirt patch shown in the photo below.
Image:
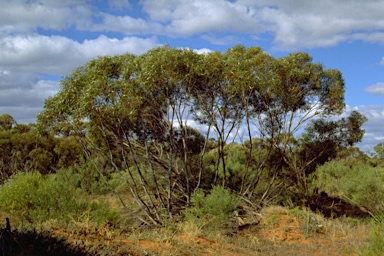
(286, 228)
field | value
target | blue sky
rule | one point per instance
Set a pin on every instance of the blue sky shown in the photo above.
(40, 41)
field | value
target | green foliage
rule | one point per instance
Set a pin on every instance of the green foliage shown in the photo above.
(100, 212)
(23, 149)
(214, 210)
(19, 195)
(124, 109)
(377, 237)
(377, 157)
(324, 139)
(376, 241)
(358, 183)
(237, 171)
(85, 176)
(6, 122)
(37, 198)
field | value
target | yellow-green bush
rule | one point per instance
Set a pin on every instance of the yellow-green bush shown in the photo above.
(214, 210)
(37, 198)
(376, 240)
(358, 183)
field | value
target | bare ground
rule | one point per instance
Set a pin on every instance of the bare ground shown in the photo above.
(273, 231)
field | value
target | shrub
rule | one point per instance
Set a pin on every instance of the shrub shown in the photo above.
(376, 240)
(377, 237)
(357, 183)
(214, 210)
(18, 195)
(37, 198)
(85, 176)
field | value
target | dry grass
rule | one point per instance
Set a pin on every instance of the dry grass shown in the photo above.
(279, 232)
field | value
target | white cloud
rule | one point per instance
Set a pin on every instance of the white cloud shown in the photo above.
(25, 16)
(33, 96)
(25, 60)
(293, 24)
(184, 18)
(300, 23)
(202, 51)
(59, 55)
(375, 89)
(25, 103)
(127, 25)
(112, 46)
(370, 37)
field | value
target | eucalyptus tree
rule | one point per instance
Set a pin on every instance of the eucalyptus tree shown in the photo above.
(22, 150)
(280, 97)
(101, 103)
(124, 109)
(172, 72)
(215, 104)
(324, 140)
(379, 150)
(134, 111)
(7, 122)
(250, 72)
(300, 91)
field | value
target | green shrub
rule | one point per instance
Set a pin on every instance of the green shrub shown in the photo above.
(18, 195)
(376, 243)
(85, 176)
(100, 212)
(376, 240)
(358, 183)
(214, 210)
(37, 198)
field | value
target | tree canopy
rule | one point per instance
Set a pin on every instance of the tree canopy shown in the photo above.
(136, 112)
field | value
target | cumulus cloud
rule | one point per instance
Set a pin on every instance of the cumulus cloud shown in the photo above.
(25, 103)
(58, 55)
(294, 24)
(33, 96)
(375, 89)
(26, 60)
(184, 18)
(305, 24)
(19, 16)
(127, 25)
